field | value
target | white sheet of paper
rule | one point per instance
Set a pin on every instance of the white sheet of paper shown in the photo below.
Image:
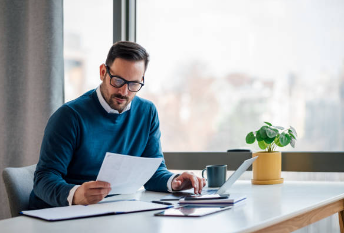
(125, 173)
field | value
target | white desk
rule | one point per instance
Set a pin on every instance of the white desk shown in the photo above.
(269, 208)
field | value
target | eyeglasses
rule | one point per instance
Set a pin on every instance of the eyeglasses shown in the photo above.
(118, 82)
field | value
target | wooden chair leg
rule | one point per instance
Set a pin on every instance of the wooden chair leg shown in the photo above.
(341, 221)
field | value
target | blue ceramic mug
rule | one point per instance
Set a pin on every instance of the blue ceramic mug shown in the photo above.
(216, 175)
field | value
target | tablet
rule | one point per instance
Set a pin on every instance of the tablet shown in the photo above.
(207, 197)
(192, 211)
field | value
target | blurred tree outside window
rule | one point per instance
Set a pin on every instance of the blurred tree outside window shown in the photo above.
(220, 68)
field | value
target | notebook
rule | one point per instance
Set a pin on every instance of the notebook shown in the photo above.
(82, 211)
(230, 181)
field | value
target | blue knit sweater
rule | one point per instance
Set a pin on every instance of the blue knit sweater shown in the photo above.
(77, 137)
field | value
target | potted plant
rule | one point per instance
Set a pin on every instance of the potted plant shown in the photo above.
(267, 167)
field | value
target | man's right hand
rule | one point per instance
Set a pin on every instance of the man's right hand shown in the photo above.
(91, 192)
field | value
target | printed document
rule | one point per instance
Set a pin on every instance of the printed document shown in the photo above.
(125, 173)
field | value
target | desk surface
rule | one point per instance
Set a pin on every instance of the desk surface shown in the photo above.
(265, 206)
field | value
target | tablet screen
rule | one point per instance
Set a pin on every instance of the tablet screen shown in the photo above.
(191, 211)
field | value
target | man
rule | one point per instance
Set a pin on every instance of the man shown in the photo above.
(109, 119)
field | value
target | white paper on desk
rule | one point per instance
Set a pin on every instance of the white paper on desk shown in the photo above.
(125, 173)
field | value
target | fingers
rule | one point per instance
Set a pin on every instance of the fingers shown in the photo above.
(96, 191)
(97, 184)
(195, 184)
(199, 183)
(91, 192)
(188, 180)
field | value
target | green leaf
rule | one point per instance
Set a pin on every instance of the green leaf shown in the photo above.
(269, 124)
(294, 131)
(250, 138)
(259, 138)
(271, 133)
(284, 139)
(291, 134)
(278, 127)
(277, 142)
(292, 142)
(268, 140)
(262, 132)
(262, 145)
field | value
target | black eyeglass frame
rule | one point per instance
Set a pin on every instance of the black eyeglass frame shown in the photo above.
(124, 81)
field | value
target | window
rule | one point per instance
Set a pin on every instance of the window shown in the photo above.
(220, 68)
(87, 40)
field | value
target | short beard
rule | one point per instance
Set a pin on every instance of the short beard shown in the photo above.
(112, 101)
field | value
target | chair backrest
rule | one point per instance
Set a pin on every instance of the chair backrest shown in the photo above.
(19, 184)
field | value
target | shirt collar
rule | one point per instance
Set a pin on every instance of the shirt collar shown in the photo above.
(106, 106)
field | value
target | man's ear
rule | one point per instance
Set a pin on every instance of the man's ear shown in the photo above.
(102, 71)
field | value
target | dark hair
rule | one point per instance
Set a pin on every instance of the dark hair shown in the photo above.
(127, 50)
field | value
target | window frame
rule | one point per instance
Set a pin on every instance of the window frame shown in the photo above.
(124, 20)
(322, 161)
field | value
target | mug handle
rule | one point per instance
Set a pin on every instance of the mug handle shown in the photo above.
(203, 172)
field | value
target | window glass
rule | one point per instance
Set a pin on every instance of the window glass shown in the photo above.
(220, 68)
(87, 40)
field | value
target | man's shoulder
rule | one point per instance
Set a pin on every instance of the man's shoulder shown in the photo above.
(82, 103)
(81, 100)
(144, 104)
(142, 100)
(76, 106)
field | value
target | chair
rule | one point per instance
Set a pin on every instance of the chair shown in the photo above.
(19, 184)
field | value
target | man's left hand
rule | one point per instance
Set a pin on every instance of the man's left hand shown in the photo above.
(188, 180)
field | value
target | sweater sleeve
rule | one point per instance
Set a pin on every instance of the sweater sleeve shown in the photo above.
(59, 142)
(158, 182)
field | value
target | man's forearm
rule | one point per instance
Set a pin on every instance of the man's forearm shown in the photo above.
(51, 188)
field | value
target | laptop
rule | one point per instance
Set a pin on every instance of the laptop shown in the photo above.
(229, 182)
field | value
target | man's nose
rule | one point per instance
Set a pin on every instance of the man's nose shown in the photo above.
(123, 90)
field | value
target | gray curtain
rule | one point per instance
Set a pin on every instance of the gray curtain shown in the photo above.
(31, 79)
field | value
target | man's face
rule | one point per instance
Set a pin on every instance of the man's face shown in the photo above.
(119, 98)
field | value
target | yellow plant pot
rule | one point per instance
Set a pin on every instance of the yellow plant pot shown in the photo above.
(267, 168)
